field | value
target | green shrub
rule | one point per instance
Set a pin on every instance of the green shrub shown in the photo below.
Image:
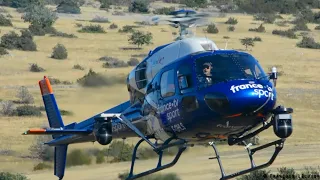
(247, 42)
(212, 29)
(54, 81)
(317, 28)
(120, 151)
(93, 79)
(113, 26)
(231, 28)
(62, 34)
(77, 157)
(308, 42)
(11, 176)
(164, 10)
(266, 18)
(41, 166)
(226, 37)
(100, 158)
(140, 38)
(35, 68)
(69, 6)
(59, 52)
(92, 29)
(13, 41)
(65, 112)
(78, 66)
(27, 110)
(167, 176)
(110, 62)
(255, 175)
(257, 38)
(133, 62)
(139, 6)
(301, 26)
(232, 20)
(127, 29)
(5, 21)
(3, 51)
(261, 29)
(100, 19)
(289, 33)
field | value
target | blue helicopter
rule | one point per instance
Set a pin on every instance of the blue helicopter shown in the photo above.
(183, 93)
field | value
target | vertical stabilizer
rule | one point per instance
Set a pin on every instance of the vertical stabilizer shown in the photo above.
(60, 156)
(50, 104)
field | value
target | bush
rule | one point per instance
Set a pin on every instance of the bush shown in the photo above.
(212, 29)
(254, 141)
(164, 10)
(62, 34)
(69, 6)
(77, 157)
(120, 151)
(93, 79)
(100, 158)
(24, 95)
(127, 29)
(232, 20)
(113, 26)
(13, 41)
(59, 52)
(54, 81)
(92, 29)
(140, 38)
(110, 62)
(65, 112)
(11, 176)
(35, 68)
(40, 17)
(289, 33)
(308, 42)
(139, 6)
(78, 66)
(3, 51)
(261, 28)
(226, 37)
(231, 28)
(27, 110)
(7, 108)
(41, 166)
(255, 175)
(167, 176)
(266, 18)
(317, 28)
(5, 21)
(39, 150)
(133, 62)
(301, 26)
(257, 38)
(100, 19)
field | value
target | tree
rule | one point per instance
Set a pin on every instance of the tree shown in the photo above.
(39, 16)
(247, 42)
(139, 38)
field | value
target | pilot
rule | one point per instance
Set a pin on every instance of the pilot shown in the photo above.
(206, 69)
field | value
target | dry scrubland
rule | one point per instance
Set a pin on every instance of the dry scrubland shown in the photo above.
(298, 87)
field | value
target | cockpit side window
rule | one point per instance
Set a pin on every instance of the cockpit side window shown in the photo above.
(184, 75)
(167, 84)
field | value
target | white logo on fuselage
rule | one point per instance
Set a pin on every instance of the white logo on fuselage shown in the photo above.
(258, 89)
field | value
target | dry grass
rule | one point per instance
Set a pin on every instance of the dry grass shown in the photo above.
(301, 68)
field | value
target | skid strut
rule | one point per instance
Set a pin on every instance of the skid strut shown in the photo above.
(182, 146)
(278, 147)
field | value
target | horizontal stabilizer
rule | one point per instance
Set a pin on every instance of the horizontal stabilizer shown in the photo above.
(57, 131)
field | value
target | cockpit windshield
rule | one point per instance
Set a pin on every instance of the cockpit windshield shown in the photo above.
(223, 67)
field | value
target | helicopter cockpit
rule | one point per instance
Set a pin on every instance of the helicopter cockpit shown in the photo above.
(217, 68)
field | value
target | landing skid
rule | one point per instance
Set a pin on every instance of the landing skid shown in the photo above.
(182, 146)
(278, 147)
